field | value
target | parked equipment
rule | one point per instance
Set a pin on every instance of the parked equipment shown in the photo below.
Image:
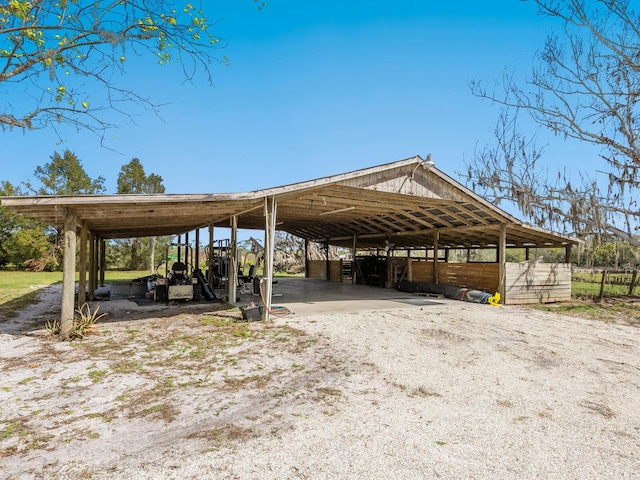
(180, 284)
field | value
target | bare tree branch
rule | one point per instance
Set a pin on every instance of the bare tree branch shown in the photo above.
(585, 86)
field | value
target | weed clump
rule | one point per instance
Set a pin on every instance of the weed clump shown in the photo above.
(84, 323)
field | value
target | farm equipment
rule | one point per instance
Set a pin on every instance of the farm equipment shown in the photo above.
(180, 285)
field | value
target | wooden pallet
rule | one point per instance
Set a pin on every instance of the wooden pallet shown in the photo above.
(430, 295)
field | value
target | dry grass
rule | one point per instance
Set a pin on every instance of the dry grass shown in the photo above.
(169, 370)
(621, 309)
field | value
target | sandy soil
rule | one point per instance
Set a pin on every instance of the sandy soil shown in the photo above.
(452, 390)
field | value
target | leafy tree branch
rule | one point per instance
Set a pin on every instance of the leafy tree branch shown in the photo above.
(63, 53)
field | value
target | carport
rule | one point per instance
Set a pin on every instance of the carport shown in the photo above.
(401, 205)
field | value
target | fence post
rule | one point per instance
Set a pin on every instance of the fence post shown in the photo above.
(602, 284)
(633, 281)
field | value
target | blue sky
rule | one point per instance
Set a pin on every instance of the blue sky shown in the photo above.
(312, 89)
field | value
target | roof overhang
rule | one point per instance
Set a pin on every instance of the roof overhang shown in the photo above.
(404, 203)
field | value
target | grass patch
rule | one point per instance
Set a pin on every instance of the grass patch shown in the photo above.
(225, 434)
(127, 366)
(97, 375)
(21, 289)
(612, 309)
(10, 429)
(218, 321)
(588, 289)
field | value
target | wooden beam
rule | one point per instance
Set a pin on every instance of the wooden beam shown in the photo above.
(353, 260)
(197, 259)
(327, 265)
(306, 258)
(416, 219)
(270, 214)
(103, 260)
(502, 251)
(68, 274)
(210, 256)
(93, 265)
(436, 239)
(82, 273)
(233, 261)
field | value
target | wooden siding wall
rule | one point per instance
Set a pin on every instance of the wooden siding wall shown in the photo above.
(526, 282)
(318, 269)
(405, 181)
(538, 283)
(422, 271)
(478, 276)
(335, 271)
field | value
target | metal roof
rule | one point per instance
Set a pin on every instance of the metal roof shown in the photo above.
(402, 203)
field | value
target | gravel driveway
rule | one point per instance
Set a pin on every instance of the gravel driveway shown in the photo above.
(451, 390)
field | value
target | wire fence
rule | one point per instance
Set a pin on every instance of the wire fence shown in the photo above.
(601, 283)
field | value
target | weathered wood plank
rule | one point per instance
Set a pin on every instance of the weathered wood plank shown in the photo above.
(530, 282)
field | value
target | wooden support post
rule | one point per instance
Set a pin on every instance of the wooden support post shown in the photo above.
(354, 280)
(632, 286)
(602, 284)
(152, 255)
(409, 269)
(527, 252)
(103, 258)
(210, 256)
(502, 250)
(82, 274)
(306, 258)
(233, 261)
(327, 267)
(196, 263)
(387, 281)
(270, 210)
(436, 254)
(567, 253)
(186, 250)
(93, 266)
(68, 274)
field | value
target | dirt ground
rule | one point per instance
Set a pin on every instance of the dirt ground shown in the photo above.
(448, 390)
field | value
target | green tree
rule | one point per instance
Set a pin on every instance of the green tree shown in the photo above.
(65, 175)
(584, 87)
(66, 55)
(8, 223)
(23, 242)
(33, 250)
(133, 179)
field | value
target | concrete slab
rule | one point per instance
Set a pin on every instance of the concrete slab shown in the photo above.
(308, 296)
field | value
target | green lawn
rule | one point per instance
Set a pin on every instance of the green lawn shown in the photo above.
(19, 289)
(588, 289)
